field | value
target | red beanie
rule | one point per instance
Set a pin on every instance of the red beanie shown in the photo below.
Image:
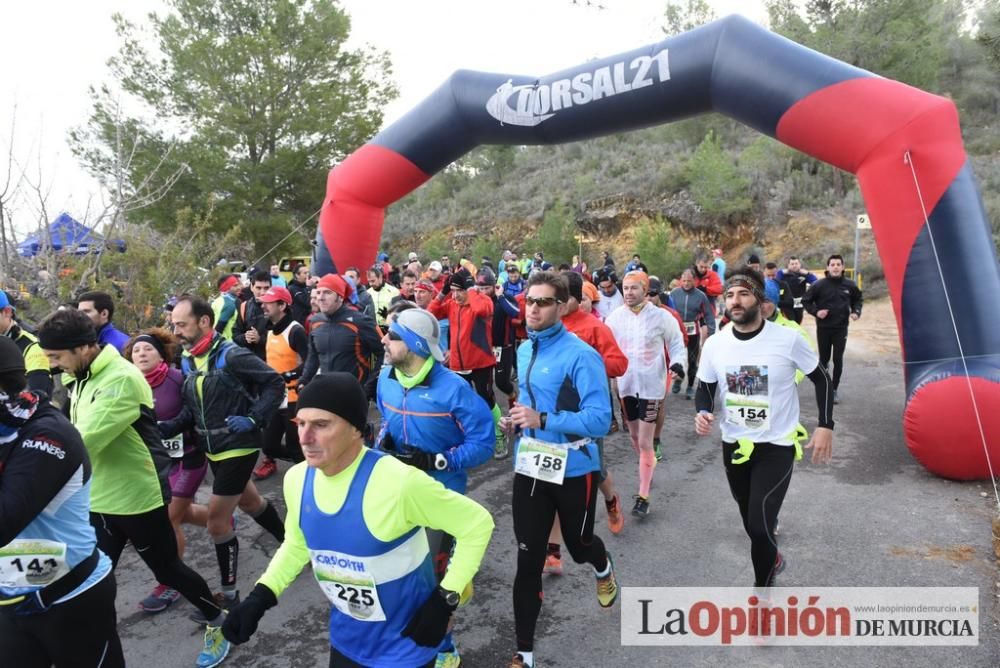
(337, 284)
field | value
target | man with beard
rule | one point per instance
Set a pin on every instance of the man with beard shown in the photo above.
(431, 421)
(611, 297)
(229, 396)
(759, 430)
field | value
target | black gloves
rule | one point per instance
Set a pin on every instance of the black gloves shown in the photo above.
(383, 313)
(416, 458)
(446, 288)
(678, 370)
(241, 622)
(429, 623)
(386, 442)
(290, 376)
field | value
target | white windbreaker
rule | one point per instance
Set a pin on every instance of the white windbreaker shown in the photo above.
(645, 337)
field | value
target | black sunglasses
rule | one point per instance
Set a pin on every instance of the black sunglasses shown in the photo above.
(541, 302)
(394, 336)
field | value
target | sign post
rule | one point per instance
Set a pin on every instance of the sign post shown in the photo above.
(863, 224)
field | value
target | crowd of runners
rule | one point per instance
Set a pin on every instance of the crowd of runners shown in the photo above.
(106, 437)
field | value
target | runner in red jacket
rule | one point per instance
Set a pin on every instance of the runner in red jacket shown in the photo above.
(470, 332)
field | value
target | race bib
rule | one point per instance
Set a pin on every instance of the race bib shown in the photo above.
(747, 398)
(32, 563)
(497, 352)
(690, 328)
(174, 446)
(797, 302)
(348, 586)
(541, 460)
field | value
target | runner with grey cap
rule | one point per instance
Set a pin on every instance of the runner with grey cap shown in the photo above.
(431, 421)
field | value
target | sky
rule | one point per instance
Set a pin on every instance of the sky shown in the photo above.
(51, 51)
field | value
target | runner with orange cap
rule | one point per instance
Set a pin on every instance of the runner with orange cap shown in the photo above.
(645, 333)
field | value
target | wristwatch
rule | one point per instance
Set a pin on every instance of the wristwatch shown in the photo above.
(440, 462)
(450, 597)
(541, 420)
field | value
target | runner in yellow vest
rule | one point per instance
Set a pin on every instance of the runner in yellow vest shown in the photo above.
(224, 306)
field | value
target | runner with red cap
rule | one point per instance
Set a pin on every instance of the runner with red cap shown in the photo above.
(342, 338)
(287, 351)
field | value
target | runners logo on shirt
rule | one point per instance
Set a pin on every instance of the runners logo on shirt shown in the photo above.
(46, 446)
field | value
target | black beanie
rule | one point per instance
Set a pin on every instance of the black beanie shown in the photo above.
(462, 280)
(11, 359)
(575, 282)
(339, 393)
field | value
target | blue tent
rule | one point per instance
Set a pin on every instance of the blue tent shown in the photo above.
(67, 234)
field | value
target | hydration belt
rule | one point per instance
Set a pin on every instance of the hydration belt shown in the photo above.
(41, 600)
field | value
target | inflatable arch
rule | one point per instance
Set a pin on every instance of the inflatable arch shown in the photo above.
(903, 144)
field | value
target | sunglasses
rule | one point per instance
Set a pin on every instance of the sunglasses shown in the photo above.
(394, 336)
(541, 302)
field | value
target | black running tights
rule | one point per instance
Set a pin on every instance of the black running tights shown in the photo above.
(832, 341)
(534, 507)
(153, 538)
(759, 487)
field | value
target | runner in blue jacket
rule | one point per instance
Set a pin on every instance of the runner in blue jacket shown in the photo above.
(431, 419)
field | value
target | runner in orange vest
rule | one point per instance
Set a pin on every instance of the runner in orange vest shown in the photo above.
(287, 349)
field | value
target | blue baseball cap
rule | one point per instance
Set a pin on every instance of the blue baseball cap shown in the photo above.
(5, 301)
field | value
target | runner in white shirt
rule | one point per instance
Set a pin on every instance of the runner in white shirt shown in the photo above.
(645, 333)
(611, 298)
(755, 361)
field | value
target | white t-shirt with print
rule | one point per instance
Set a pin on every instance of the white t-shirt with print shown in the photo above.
(759, 398)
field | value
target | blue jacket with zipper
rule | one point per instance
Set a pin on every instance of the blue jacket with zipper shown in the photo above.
(441, 414)
(564, 377)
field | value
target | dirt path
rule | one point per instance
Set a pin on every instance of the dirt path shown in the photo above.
(874, 335)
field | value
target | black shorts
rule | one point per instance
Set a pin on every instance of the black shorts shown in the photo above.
(641, 409)
(232, 475)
